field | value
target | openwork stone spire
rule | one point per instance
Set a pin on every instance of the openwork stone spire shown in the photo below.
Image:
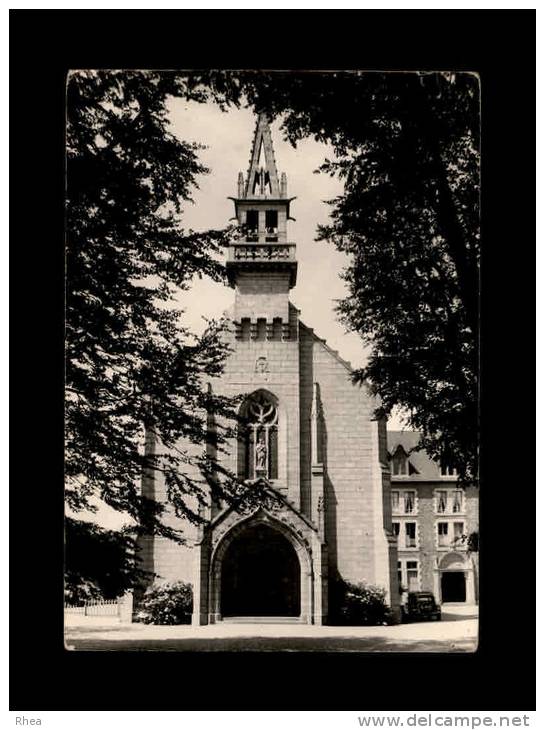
(261, 264)
(262, 180)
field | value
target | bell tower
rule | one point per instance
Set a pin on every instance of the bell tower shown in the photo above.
(261, 264)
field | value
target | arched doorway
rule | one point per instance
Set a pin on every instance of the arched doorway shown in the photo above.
(260, 575)
(453, 586)
(454, 579)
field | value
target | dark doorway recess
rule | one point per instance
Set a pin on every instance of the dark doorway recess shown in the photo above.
(260, 575)
(453, 587)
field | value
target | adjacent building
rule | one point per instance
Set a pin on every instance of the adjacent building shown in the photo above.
(436, 524)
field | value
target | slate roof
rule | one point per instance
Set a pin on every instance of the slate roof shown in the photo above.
(427, 469)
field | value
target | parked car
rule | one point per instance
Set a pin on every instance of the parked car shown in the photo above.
(421, 606)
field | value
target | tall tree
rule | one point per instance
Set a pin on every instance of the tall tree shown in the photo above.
(406, 146)
(130, 361)
(99, 563)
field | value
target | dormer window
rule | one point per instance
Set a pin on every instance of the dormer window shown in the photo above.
(400, 463)
(447, 470)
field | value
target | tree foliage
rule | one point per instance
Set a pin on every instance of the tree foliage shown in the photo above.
(130, 361)
(99, 563)
(406, 147)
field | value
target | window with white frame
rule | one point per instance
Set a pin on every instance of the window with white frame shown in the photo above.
(409, 502)
(457, 501)
(449, 501)
(404, 502)
(395, 529)
(447, 470)
(412, 575)
(442, 534)
(458, 532)
(410, 534)
(450, 534)
(441, 497)
(408, 574)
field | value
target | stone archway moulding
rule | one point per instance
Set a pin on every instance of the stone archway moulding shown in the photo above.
(455, 562)
(222, 539)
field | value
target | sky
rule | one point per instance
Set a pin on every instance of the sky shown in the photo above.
(228, 137)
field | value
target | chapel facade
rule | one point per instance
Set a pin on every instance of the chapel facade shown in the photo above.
(311, 441)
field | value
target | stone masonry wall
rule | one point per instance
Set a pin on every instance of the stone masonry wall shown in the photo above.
(168, 560)
(347, 452)
(281, 378)
(262, 295)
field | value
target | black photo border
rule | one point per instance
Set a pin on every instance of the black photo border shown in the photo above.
(500, 46)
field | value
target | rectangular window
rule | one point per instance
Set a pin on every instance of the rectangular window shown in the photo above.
(457, 501)
(395, 501)
(395, 528)
(400, 572)
(410, 534)
(441, 502)
(458, 531)
(442, 534)
(447, 470)
(408, 502)
(252, 224)
(412, 575)
(271, 221)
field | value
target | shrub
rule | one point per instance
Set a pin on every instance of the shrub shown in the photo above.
(357, 604)
(166, 604)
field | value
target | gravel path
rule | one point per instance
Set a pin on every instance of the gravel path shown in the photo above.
(457, 632)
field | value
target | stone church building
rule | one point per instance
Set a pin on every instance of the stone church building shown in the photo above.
(312, 441)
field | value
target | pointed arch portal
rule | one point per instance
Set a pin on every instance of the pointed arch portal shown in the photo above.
(260, 575)
(262, 567)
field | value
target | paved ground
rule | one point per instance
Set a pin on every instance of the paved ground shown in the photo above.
(457, 632)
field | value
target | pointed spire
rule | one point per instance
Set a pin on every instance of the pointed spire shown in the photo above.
(262, 180)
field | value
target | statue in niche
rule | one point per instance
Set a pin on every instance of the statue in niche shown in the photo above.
(260, 455)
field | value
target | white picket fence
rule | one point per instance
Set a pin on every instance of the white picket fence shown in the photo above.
(95, 608)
